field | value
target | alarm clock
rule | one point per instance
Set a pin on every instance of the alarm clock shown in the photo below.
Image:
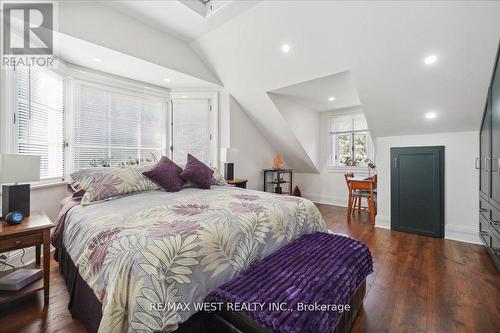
(14, 217)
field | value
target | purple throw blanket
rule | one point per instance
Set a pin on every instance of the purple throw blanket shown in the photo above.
(316, 269)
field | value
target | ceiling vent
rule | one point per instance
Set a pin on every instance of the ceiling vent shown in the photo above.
(205, 8)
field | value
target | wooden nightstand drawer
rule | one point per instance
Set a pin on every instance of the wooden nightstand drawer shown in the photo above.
(242, 183)
(21, 241)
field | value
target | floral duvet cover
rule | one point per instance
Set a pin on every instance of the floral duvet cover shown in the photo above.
(146, 254)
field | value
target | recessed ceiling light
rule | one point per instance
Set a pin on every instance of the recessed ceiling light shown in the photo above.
(331, 99)
(166, 79)
(429, 60)
(97, 60)
(285, 48)
(430, 115)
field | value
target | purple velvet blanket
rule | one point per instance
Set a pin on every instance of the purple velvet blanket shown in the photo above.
(318, 269)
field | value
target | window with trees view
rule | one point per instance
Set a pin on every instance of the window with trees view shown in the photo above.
(350, 140)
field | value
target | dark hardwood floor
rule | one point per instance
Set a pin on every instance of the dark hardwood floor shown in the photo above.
(420, 284)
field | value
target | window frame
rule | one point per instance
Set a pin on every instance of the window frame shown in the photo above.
(8, 129)
(332, 143)
(214, 120)
(9, 121)
(74, 91)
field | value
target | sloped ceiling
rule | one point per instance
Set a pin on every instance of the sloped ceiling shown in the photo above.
(300, 105)
(315, 94)
(103, 27)
(79, 52)
(382, 44)
(176, 18)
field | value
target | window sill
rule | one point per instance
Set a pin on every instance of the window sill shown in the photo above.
(344, 169)
(42, 185)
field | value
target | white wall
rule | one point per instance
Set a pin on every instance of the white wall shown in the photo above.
(329, 185)
(304, 122)
(254, 152)
(334, 36)
(461, 180)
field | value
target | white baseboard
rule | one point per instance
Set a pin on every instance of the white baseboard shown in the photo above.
(327, 200)
(462, 234)
(452, 232)
(382, 221)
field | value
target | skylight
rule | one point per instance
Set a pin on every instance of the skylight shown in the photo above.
(205, 8)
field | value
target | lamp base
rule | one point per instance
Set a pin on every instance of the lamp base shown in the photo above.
(229, 171)
(16, 198)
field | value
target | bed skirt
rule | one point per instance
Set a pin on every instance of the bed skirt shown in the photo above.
(86, 307)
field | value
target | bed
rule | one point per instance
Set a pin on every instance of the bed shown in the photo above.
(139, 253)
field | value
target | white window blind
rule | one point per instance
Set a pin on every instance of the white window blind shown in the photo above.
(191, 129)
(111, 128)
(40, 118)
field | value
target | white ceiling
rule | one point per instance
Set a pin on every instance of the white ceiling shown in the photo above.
(314, 94)
(83, 53)
(175, 18)
(383, 44)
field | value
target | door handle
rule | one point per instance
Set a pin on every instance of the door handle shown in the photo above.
(483, 210)
(486, 169)
(477, 163)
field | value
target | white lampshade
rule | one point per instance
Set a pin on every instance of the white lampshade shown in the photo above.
(228, 155)
(15, 168)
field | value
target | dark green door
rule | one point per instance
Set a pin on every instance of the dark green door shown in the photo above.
(417, 190)
(494, 109)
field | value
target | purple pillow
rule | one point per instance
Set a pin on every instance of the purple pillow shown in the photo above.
(197, 172)
(166, 174)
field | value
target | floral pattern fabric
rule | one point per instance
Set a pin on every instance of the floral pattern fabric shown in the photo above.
(163, 248)
(105, 183)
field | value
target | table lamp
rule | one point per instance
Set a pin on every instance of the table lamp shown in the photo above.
(371, 166)
(15, 168)
(228, 156)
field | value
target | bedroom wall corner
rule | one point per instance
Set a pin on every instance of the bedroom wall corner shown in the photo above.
(461, 180)
(254, 151)
(328, 186)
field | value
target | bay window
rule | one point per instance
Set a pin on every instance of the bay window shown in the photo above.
(75, 120)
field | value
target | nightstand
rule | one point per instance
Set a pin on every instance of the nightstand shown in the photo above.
(238, 182)
(32, 231)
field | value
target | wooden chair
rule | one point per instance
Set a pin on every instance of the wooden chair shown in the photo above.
(362, 188)
(356, 200)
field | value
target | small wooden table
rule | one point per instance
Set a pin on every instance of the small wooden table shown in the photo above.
(32, 231)
(368, 186)
(238, 182)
